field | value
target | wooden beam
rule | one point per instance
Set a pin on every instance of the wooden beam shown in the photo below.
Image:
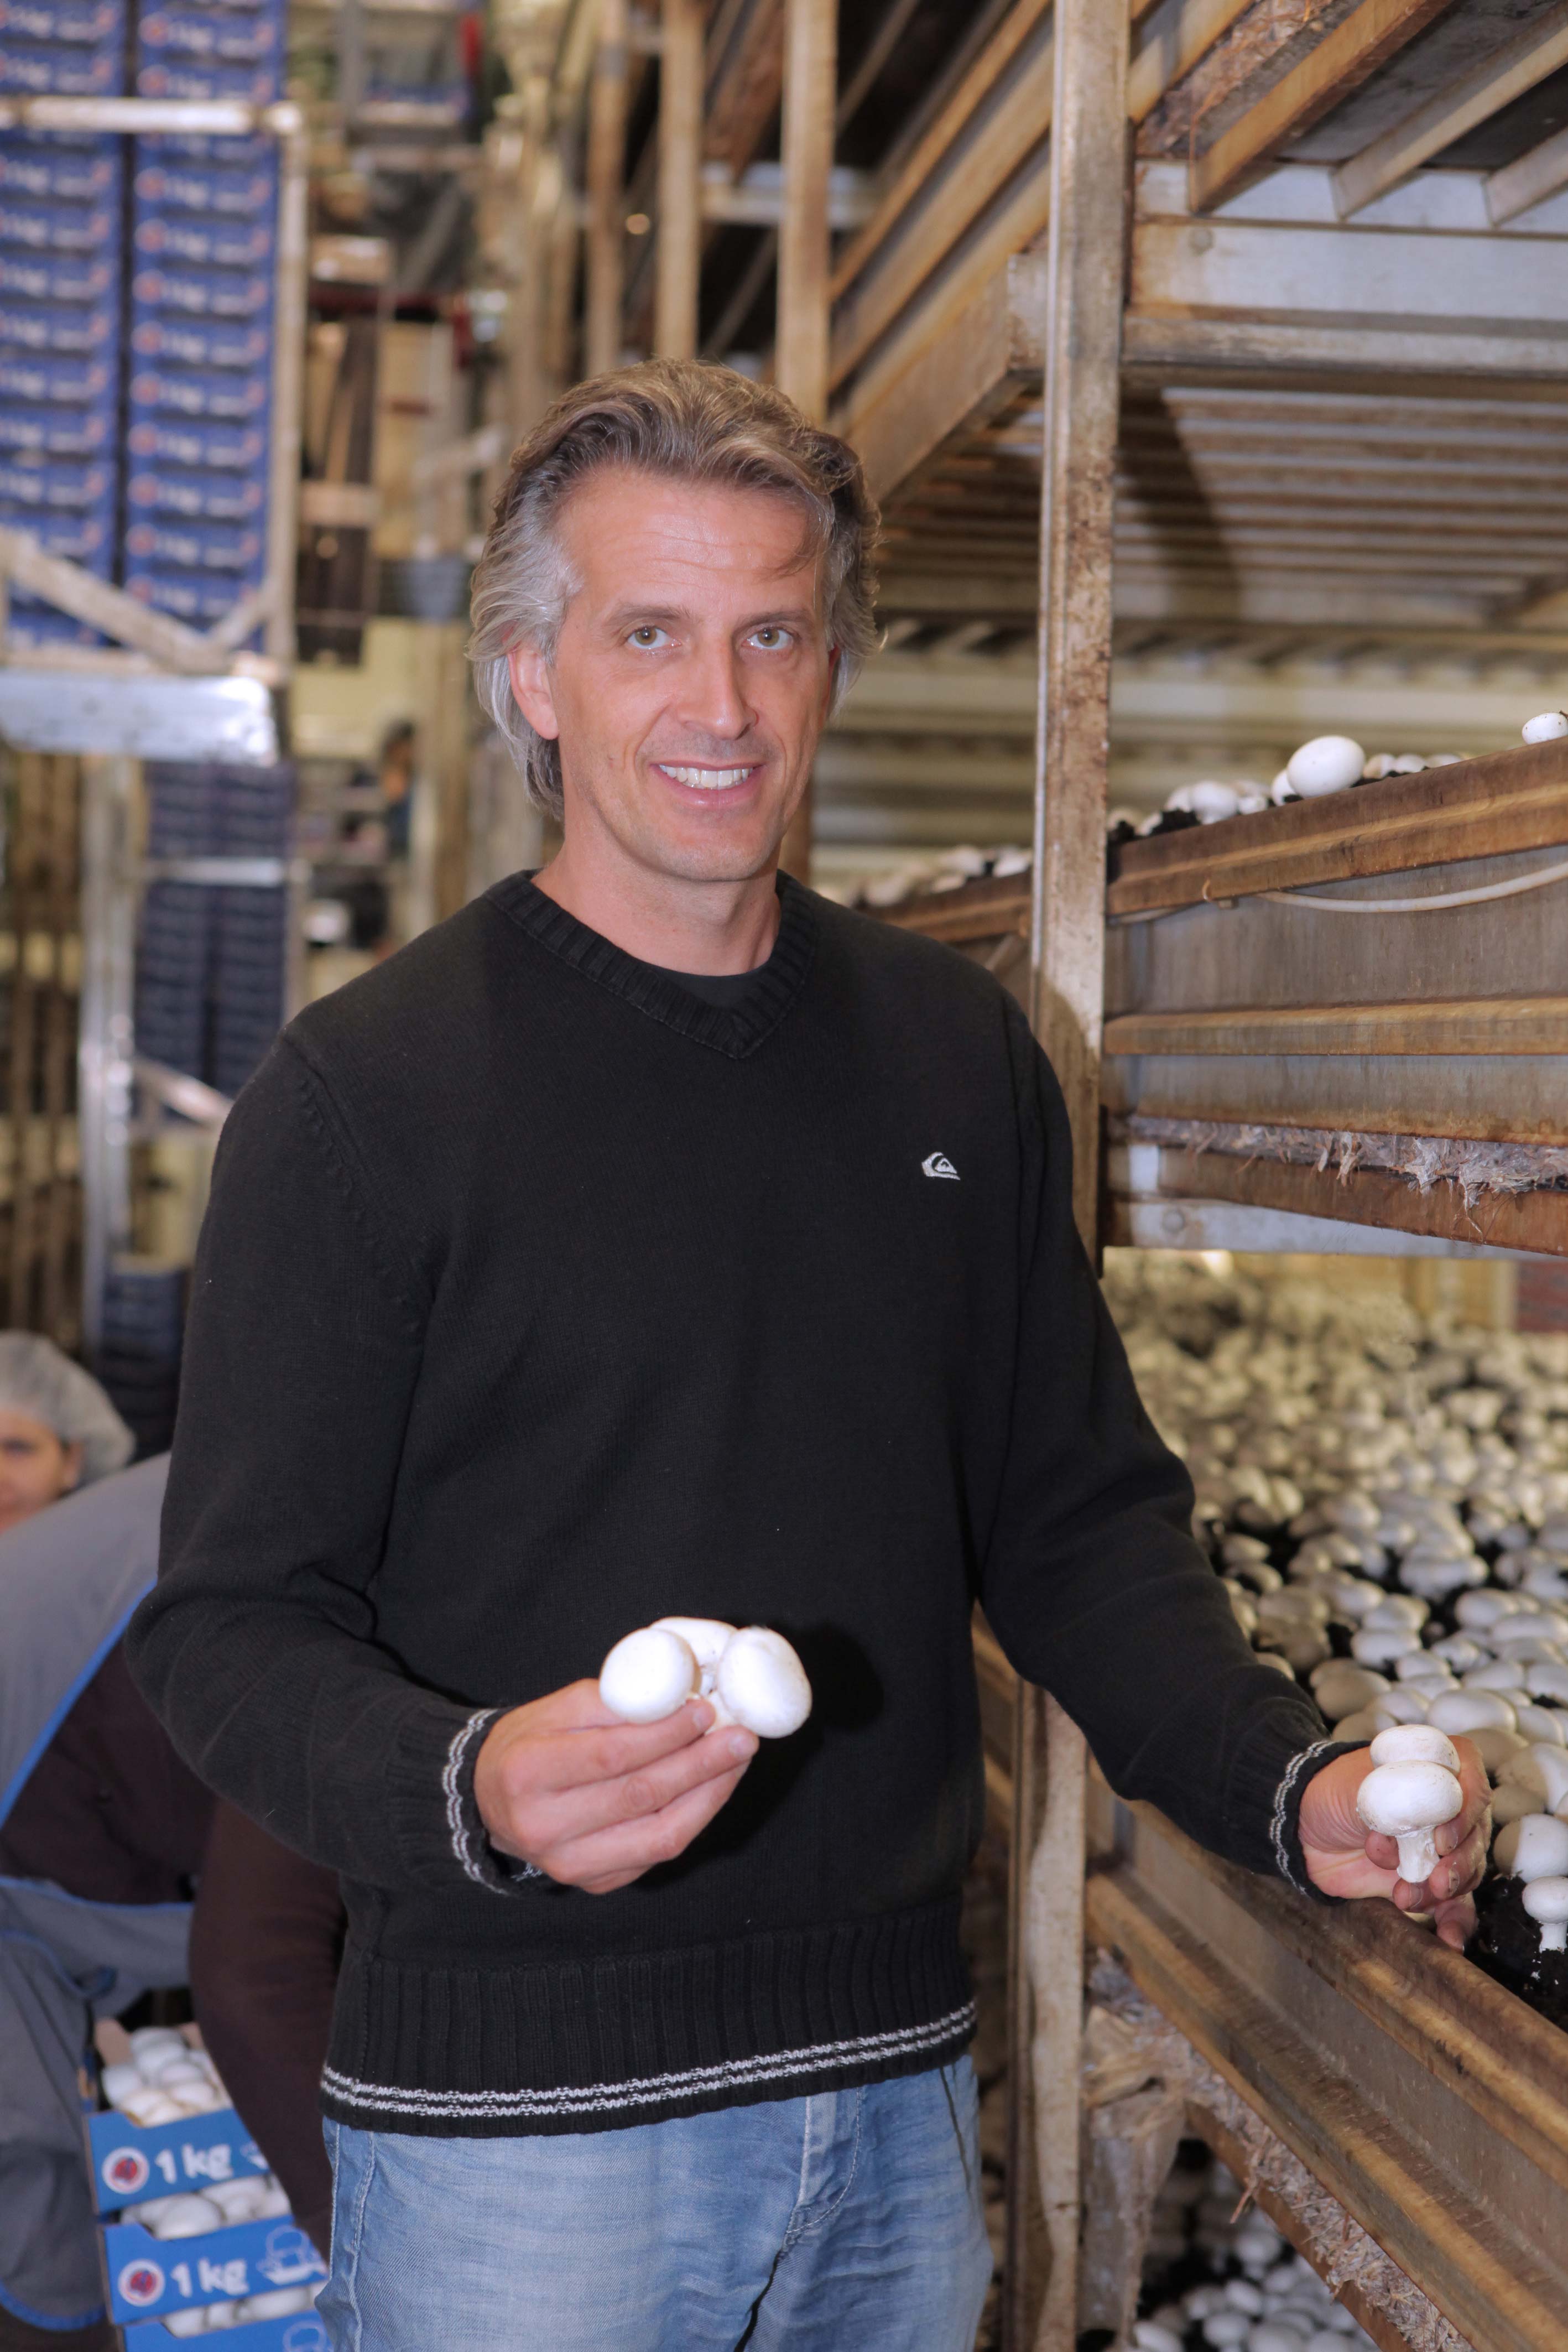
(800, 340)
(1171, 43)
(1536, 1220)
(86, 598)
(605, 270)
(1339, 63)
(1089, 193)
(1528, 181)
(1507, 800)
(1508, 1025)
(679, 254)
(811, 77)
(1446, 116)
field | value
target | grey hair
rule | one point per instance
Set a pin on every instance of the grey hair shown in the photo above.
(690, 423)
(39, 1379)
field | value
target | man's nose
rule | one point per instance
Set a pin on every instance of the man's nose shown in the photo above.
(714, 698)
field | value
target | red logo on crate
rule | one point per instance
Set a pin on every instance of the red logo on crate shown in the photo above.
(126, 2169)
(141, 2283)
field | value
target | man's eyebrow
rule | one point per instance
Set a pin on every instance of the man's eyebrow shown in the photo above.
(634, 615)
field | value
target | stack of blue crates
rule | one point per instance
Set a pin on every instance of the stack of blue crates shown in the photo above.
(203, 246)
(212, 963)
(60, 297)
(139, 1354)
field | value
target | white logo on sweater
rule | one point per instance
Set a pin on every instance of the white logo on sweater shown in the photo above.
(939, 1164)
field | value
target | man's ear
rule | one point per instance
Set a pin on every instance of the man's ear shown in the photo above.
(531, 689)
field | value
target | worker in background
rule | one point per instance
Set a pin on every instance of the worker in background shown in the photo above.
(104, 1834)
(654, 1236)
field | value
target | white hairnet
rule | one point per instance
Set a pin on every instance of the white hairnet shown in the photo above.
(39, 1379)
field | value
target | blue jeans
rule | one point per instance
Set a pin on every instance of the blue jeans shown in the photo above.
(849, 2222)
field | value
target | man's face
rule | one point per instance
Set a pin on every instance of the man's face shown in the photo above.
(692, 675)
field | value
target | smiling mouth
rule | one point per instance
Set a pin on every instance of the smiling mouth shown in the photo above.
(706, 780)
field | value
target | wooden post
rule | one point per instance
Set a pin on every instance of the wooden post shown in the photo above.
(679, 255)
(1087, 243)
(606, 193)
(800, 340)
(288, 390)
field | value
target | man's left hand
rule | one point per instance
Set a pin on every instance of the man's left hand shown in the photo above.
(1345, 1858)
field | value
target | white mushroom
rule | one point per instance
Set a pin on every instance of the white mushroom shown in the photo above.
(1471, 1711)
(1329, 763)
(1546, 1900)
(1545, 726)
(648, 1674)
(762, 1684)
(1409, 1801)
(1542, 1769)
(187, 2216)
(1533, 1847)
(1341, 1687)
(705, 1638)
(1416, 1743)
(1209, 803)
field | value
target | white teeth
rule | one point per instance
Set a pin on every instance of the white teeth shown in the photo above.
(706, 780)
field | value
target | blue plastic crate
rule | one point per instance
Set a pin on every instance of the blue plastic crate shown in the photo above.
(160, 442)
(42, 626)
(218, 398)
(59, 166)
(30, 378)
(57, 432)
(202, 343)
(231, 191)
(304, 2334)
(88, 332)
(55, 224)
(203, 293)
(159, 76)
(58, 276)
(55, 69)
(57, 484)
(75, 24)
(198, 598)
(166, 543)
(197, 497)
(148, 2276)
(84, 539)
(209, 36)
(163, 235)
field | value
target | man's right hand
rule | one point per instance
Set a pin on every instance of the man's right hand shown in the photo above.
(592, 1802)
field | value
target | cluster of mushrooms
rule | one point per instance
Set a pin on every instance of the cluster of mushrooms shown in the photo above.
(164, 2079)
(1386, 1499)
(1216, 2279)
(1328, 763)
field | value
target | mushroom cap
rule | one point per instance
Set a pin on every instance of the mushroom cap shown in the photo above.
(648, 1674)
(1546, 1899)
(1395, 1798)
(763, 1685)
(1545, 726)
(1534, 1847)
(1543, 1769)
(1471, 1710)
(1326, 764)
(1416, 1743)
(705, 1637)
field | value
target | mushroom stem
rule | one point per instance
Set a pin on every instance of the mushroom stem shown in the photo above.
(1418, 1857)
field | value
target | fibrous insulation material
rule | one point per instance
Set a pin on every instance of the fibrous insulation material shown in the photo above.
(1424, 1160)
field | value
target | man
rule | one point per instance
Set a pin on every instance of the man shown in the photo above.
(654, 1237)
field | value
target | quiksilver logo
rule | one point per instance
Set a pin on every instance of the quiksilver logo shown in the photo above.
(939, 1164)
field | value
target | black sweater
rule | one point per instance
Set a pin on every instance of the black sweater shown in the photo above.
(538, 1298)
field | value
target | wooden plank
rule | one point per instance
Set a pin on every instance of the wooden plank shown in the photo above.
(810, 77)
(679, 253)
(1338, 64)
(954, 381)
(921, 163)
(1516, 187)
(57, 1307)
(1371, 1196)
(1491, 1098)
(1089, 196)
(1538, 50)
(604, 257)
(1510, 1024)
(1476, 808)
(1474, 2262)
(90, 598)
(1171, 44)
(801, 335)
(944, 208)
(24, 860)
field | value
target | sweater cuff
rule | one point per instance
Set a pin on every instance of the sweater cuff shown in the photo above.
(435, 1816)
(1285, 1822)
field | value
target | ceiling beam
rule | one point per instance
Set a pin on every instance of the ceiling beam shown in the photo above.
(1338, 64)
(1449, 112)
(1528, 181)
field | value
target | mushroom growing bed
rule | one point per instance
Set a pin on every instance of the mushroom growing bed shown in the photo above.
(1386, 1497)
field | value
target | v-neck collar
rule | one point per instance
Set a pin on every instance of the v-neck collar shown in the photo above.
(736, 1029)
